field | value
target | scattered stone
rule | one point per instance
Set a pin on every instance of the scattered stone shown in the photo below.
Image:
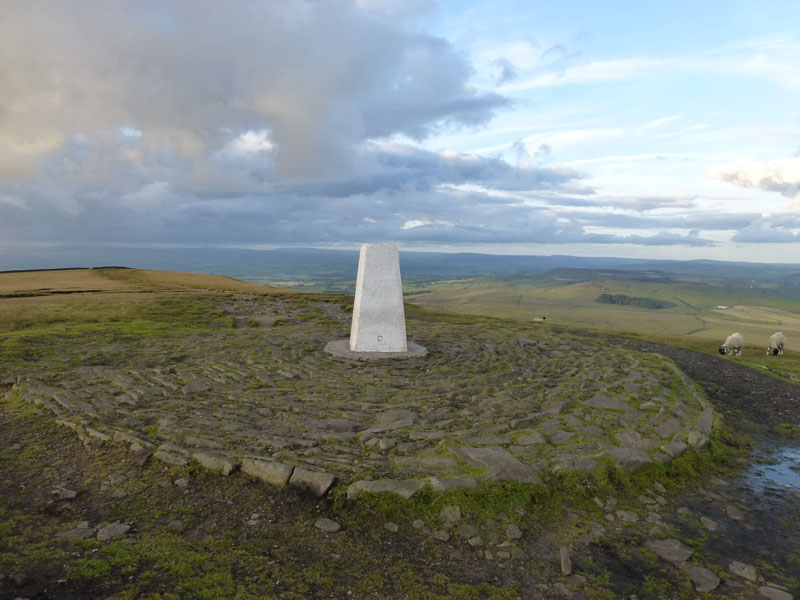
(390, 526)
(774, 593)
(79, 533)
(697, 440)
(274, 473)
(796, 495)
(475, 541)
(195, 387)
(562, 589)
(387, 444)
(402, 487)
(683, 511)
(709, 524)
(114, 530)
(120, 492)
(513, 532)
(671, 550)
(441, 535)
(734, 513)
(659, 488)
(327, 525)
(450, 514)
(177, 525)
(703, 579)
(440, 485)
(418, 524)
(467, 531)
(182, 482)
(565, 560)
(140, 457)
(518, 553)
(743, 570)
(64, 494)
(627, 516)
(576, 580)
(674, 449)
(171, 458)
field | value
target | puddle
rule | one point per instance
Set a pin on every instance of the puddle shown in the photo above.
(776, 471)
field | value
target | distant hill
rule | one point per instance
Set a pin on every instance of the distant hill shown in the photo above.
(335, 270)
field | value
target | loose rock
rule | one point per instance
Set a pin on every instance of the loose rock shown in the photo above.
(114, 530)
(327, 525)
(743, 570)
(565, 560)
(774, 593)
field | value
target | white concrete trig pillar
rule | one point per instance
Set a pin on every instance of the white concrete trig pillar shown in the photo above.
(379, 321)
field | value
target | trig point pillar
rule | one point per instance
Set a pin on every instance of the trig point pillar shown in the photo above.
(379, 322)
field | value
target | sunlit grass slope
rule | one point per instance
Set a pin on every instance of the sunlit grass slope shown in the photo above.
(42, 299)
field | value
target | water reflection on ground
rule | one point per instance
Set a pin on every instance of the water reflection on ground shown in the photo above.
(775, 471)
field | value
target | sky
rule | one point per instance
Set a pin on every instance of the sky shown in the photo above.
(618, 128)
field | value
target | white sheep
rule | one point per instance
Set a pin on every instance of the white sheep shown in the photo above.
(776, 343)
(732, 344)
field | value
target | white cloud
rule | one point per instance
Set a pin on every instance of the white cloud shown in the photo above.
(591, 72)
(781, 176)
(770, 229)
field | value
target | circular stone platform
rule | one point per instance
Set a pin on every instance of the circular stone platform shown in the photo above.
(341, 348)
(488, 402)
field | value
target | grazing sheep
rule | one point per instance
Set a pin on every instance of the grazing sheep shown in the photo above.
(540, 319)
(776, 343)
(732, 344)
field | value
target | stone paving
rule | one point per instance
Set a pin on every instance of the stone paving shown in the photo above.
(488, 402)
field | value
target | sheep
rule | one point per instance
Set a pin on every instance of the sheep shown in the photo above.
(540, 319)
(732, 344)
(776, 343)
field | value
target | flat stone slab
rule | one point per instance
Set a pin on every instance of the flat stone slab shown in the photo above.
(703, 579)
(341, 348)
(404, 487)
(502, 465)
(671, 550)
(114, 530)
(630, 459)
(274, 473)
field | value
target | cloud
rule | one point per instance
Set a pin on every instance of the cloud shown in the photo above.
(322, 77)
(770, 229)
(782, 176)
(663, 238)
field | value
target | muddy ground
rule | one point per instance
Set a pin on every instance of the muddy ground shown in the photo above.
(195, 535)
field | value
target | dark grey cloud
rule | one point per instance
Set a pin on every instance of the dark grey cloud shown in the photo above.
(771, 229)
(174, 121)
(699, 220)
(663, 238)
(322, 77)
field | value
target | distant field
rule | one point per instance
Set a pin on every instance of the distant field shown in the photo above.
(573, 304)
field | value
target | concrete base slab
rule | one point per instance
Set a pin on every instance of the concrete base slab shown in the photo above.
(341, 348)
